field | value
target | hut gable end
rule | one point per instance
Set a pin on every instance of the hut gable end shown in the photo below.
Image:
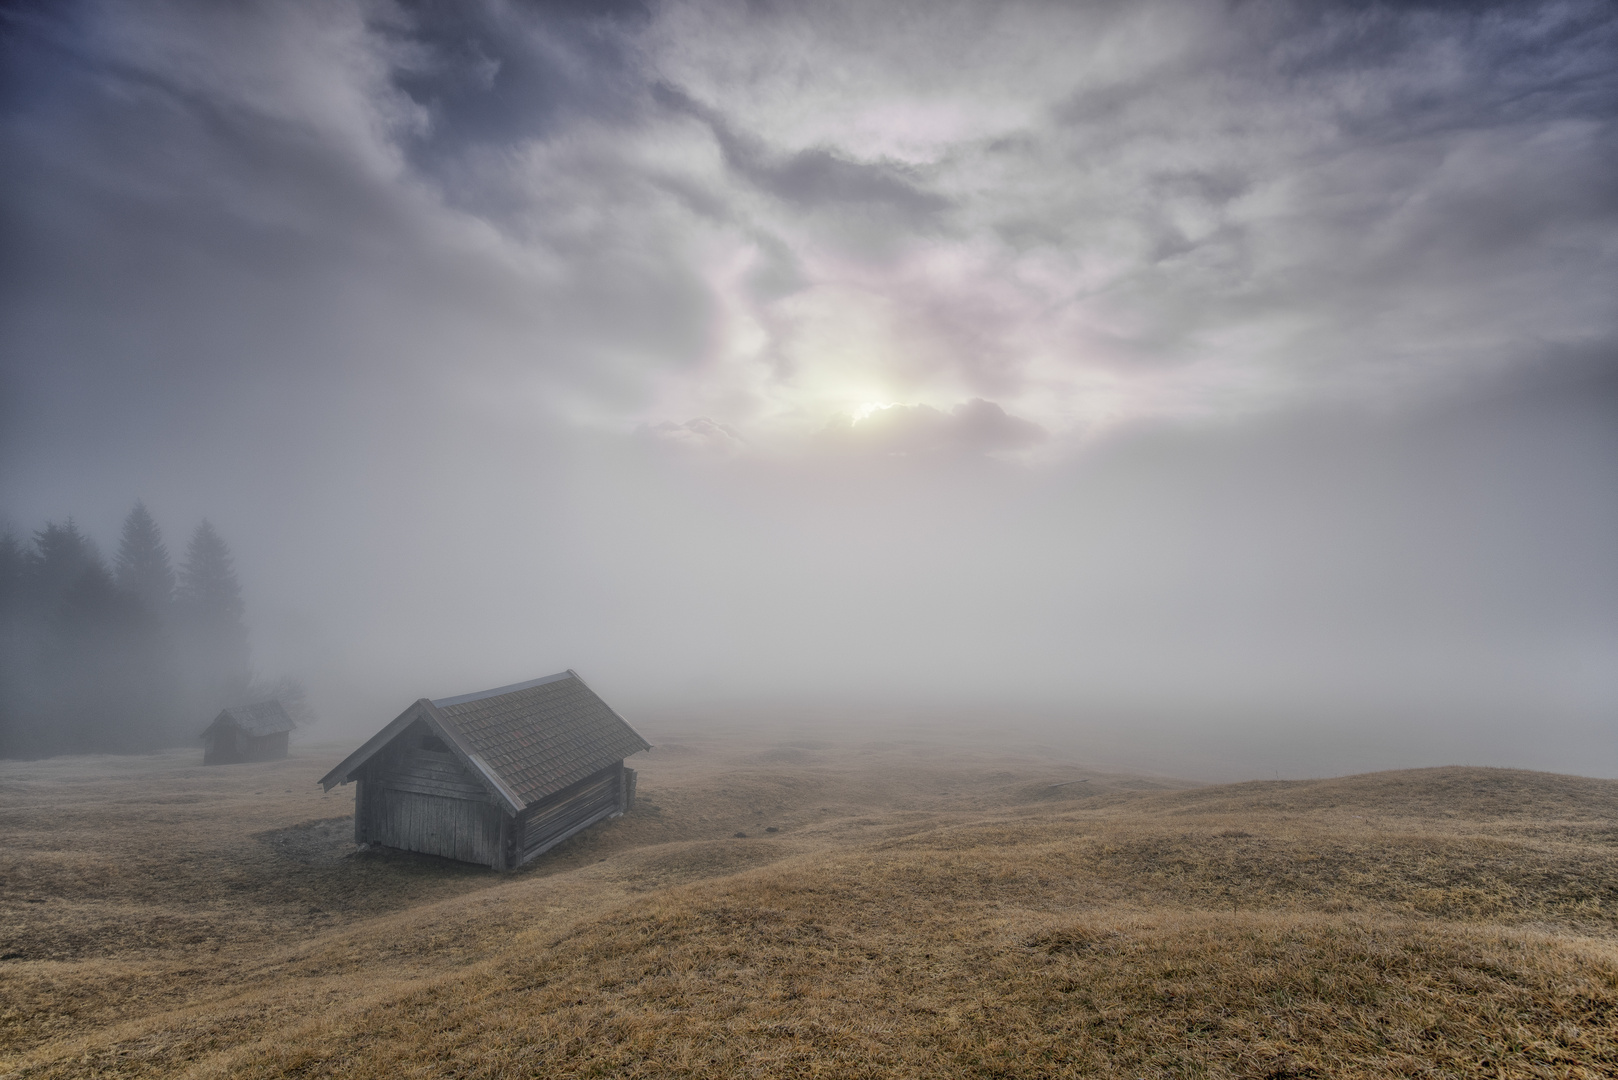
(419, 760)
(427, 721)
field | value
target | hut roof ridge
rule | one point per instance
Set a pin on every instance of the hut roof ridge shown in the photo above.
(528, 740)
(499, 691)
(259, 718)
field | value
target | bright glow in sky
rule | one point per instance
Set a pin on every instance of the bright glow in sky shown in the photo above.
(586, 300)
(1086, 214)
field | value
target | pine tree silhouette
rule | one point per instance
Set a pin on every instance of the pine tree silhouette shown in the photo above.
(142, 567)
(13, 565)
(78, 624)
(155, 714)
(210, 608)
(61, 556)
(14, 653)
(88, 653)
(38, 661)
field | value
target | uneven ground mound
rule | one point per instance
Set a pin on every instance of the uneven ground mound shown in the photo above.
(913, 913)
(840, 970)
(1472, 794)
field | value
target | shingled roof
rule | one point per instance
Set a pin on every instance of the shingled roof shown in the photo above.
(524, 741)
(260, 719)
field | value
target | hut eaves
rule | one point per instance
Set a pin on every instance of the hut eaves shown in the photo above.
(522, 742)
(257, 720)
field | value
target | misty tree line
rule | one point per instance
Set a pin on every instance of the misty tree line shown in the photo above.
(125, 657)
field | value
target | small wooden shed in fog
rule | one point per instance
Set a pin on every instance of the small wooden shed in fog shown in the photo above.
(495, 777)
(247, 733)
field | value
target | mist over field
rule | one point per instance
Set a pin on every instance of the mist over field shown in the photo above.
(1224, 391)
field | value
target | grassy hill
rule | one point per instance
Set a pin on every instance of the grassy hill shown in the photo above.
(892, 910)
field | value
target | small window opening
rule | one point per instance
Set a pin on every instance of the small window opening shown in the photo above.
(434, 744)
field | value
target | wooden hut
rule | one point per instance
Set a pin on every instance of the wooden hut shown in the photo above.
(495, 777)
(247, 733)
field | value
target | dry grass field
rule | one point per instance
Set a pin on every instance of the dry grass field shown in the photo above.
(893, 910)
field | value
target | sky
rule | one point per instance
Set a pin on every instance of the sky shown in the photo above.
(1218, 388)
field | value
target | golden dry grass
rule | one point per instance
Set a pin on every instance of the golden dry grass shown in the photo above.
(916, 912)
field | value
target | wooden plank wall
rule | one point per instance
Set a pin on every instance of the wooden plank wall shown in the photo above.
(266, 747)
(231, 745)
(362, 811)
(219, 749)
(565, 813)
(425, 800)
(426, 772)
(455, 828)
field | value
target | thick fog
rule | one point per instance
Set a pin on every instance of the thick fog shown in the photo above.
(1226, 390)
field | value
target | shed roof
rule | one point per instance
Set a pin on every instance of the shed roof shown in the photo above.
(524, 741)
(259, 719)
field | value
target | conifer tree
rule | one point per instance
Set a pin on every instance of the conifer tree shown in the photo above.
(13, 581)
(143, 566)
(13, 564)
(91, 665)
(78, 623)
(13, 641)
(209, 603)
(61, 556)
(143, 573)
(91, 656)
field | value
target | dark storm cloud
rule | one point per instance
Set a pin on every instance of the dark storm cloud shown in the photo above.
(493, 73)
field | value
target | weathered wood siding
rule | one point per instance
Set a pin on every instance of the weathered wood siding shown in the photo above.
(229, 746)
(424, 800)
(554, 819)
(220, 748)
(426, 772)
(454, 828)
(267, 747)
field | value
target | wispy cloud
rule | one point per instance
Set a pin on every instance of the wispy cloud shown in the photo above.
(770, 215)
(934, 343)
